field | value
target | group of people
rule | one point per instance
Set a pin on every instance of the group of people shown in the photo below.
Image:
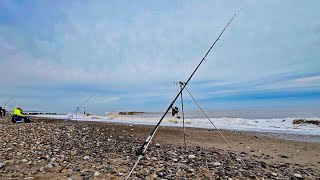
(17, 117)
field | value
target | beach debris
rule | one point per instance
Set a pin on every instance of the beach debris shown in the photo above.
(217, 164)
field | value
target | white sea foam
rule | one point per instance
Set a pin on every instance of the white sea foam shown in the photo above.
(277, 125)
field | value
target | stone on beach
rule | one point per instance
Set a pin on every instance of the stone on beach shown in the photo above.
(57, 150)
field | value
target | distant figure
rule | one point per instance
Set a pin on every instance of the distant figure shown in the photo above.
(2, 112)
(18, 116)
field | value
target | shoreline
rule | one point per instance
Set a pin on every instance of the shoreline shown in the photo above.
(285, 135)
(50, 149)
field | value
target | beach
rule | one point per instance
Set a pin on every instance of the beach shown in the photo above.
(51, 149)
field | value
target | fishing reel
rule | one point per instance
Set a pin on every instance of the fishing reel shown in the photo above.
(175, 110)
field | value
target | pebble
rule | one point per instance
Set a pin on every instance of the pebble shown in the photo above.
(63, 153)
(174, 160)
(96, 173)
(74, 152)
(297, 175)
(86, 157)
(2, 165)
(48, 166)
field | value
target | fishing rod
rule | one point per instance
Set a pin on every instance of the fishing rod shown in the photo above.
(8, 101)
(11, 105)
(78, 109)
(146, 143)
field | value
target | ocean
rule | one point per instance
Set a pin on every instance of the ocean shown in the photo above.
(252, 120)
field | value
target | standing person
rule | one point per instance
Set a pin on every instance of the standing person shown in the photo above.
(18, 116)
(2, 112)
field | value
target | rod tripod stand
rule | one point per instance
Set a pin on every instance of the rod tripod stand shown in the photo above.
(184, 134)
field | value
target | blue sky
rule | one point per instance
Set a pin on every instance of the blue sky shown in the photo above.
(56, 54)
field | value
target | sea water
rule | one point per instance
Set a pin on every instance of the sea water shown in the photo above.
(255, 120)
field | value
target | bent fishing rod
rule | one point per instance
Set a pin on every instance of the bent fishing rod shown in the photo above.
(146, 143)
(78, 109)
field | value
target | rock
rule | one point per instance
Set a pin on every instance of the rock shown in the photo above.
(154, 159)
(53, 159)
(29, 177)
(191, 156)
(74, 152)
(274, 174)
(19, 153)
(1, 165)
(190, 170)
(297, 175)
(48, 166)
(217, 164)
(57, 169)
(174, 160)
(96, 173)
(24, 160)
(158, 145)
(86, 157)
(283, 156)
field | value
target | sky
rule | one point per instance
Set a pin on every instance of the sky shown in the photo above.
(56, 54)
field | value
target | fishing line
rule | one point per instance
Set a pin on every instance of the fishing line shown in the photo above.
(214, 125)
